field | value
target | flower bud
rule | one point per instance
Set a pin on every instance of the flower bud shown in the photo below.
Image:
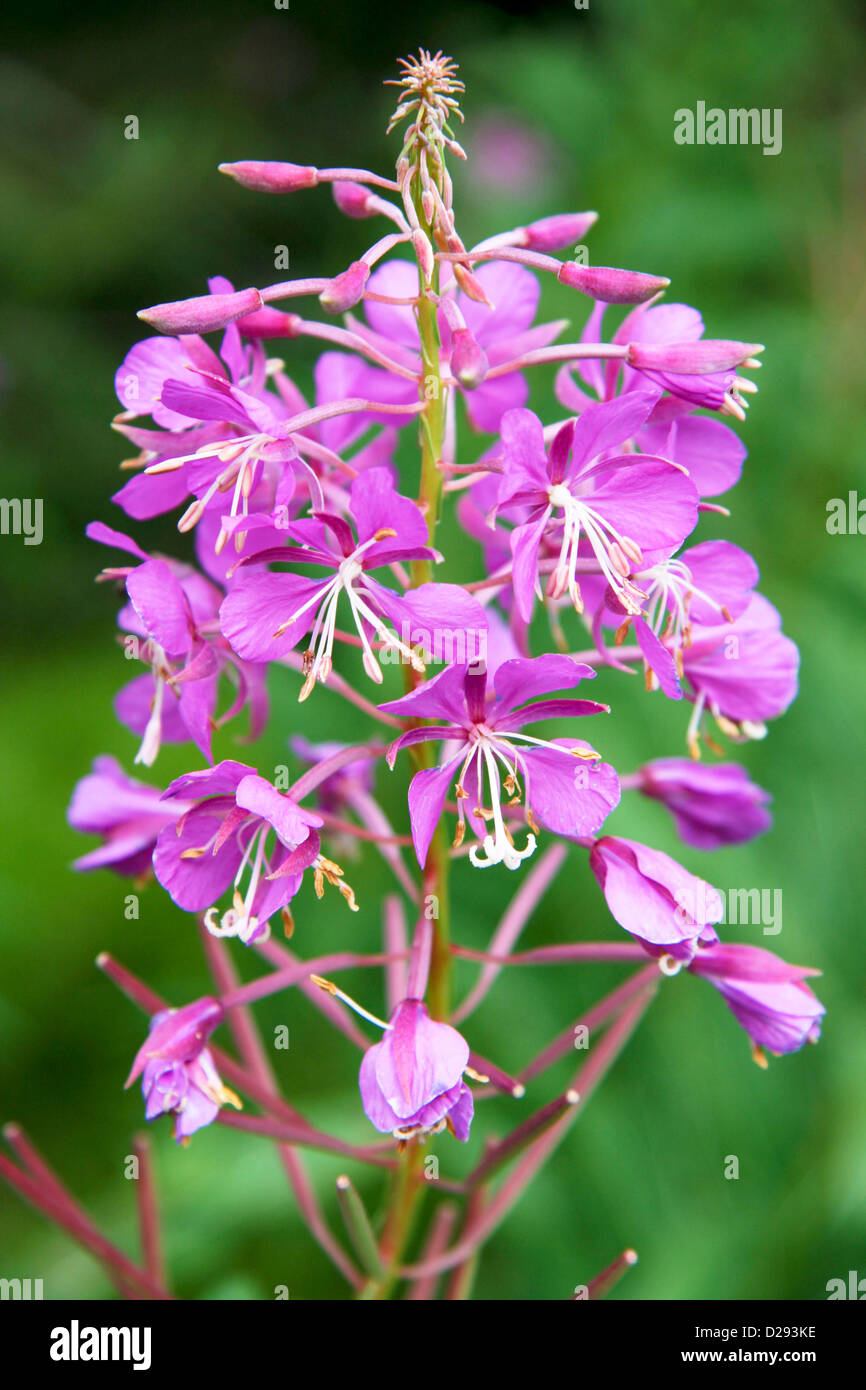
(345, 290)
(470, 284)
(424, 252)
(609, 285)
(468, 359)
(705, 356)
(353, 199)
(203, 314)
(271, 176)
(553, 233)
(269, 323)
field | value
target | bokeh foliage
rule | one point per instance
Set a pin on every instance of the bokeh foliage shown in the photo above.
(94, 226)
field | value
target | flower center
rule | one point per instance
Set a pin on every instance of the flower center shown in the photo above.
(614, 552)
(240, 919)
(318, 658)
(489, 753)
(670, 590)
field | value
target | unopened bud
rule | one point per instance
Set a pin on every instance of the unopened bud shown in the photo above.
(345, 290)
(468, 359)
(269, 323)
(271, 176)
(203, 314)
(470, 285)
(353, 199)
(708, 355)
(553, 233)
(610, 285)
(424, 252)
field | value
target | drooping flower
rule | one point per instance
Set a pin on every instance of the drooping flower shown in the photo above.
(412, 1081)
(225, 837)
(654, 898)
(621, 504)
(266, 615)
(767, 996)
(712, 805)
(177, 1071)
(664, 350)
(562, 782)
(126, 813)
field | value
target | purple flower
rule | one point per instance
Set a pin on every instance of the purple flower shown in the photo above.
(173, 611)
(620, 503)
(712, 806)
(412, 1081)
(744, 672)
(668, 909)
(127, 814)
(225, 837)
(265, 616)
(765, 994)
(177, 1071)
(224, 439)
(565, 787)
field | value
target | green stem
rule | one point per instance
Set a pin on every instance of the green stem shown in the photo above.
(407, 1181)
(431, 438)
(406, 1189)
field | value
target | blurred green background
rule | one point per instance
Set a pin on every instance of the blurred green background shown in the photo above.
(771, 249)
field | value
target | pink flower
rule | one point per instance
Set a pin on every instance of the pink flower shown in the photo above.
(586, 488)
(767, 996)
(654, 898)
(127, 814)
(266, 615)
(177, 1071)
(487, 757)
(223, 839)
(412, 1082)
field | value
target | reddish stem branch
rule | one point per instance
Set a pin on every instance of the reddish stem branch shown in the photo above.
(148, 1212)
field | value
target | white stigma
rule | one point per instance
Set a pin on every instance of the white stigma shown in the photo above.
(240, 920)
(498, 848)
(614, 552)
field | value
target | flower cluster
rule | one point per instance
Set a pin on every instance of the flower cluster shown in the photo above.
(313, 548)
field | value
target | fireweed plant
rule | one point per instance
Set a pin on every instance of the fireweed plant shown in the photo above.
(306, 542)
